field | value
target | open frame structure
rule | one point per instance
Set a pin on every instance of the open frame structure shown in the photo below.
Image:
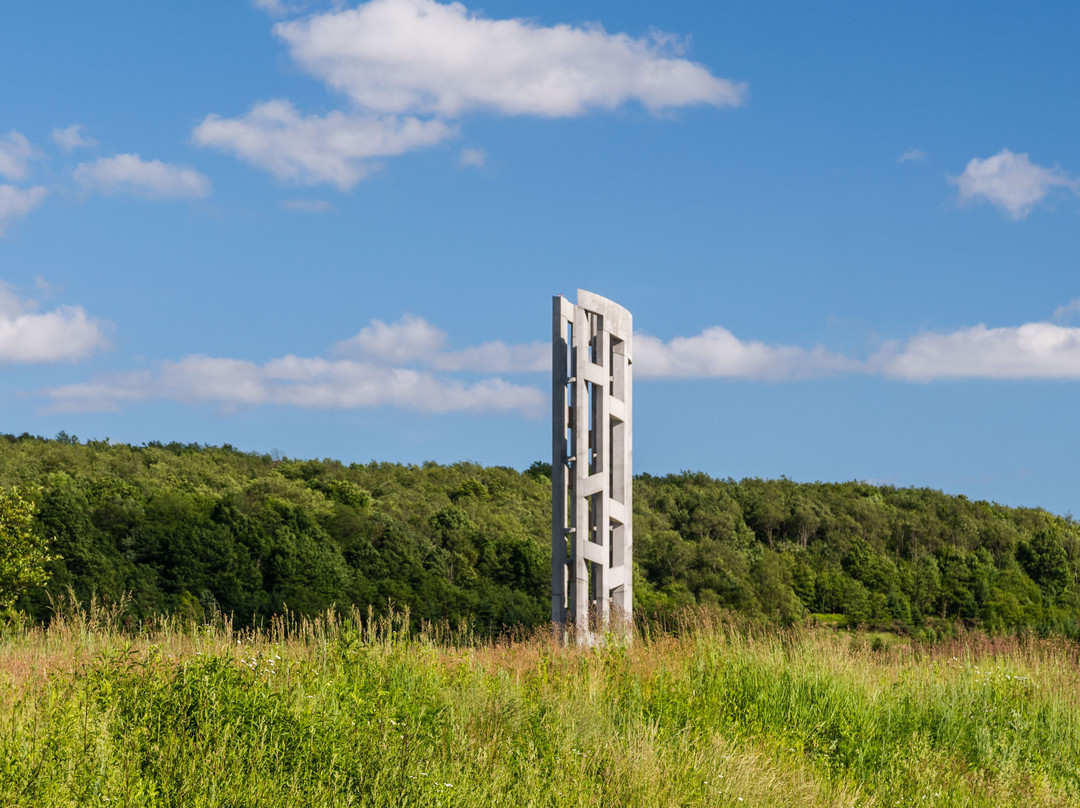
(591, 469)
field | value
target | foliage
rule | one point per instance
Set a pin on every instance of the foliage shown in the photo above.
(205, 530)
(912, 560)
(23, 554)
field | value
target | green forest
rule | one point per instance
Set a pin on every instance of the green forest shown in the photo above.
(203, 530)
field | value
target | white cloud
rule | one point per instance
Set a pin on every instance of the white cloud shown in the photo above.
(1029, 351)
(910, 155)
(72, 137)
(410, 67)
(306, 205)
(336, 148)
(374, 371)
(403, 341)
(16, 152)
(148, 179)
(414, 340)
(310, 383)
(424, 57)
(1011, 181)
(717, 353)
(472, 157)
(1065, 313)
(64, 334)
(16, 202)
(1039, 350)
(497, 357)
(371, 375)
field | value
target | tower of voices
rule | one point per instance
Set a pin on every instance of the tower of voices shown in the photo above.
(591, 469)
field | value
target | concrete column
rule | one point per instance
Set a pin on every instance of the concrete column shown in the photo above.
(592, 469)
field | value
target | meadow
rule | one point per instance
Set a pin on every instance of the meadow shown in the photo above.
(355, 709)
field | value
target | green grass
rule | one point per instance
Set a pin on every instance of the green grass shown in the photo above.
(352, 711)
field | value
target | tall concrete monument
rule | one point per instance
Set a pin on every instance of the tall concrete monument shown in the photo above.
(591, 470)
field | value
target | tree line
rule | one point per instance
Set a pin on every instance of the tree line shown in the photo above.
(202, 529)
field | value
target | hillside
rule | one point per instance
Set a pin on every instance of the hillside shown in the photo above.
(197, 529)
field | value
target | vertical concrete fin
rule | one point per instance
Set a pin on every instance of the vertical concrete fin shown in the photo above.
(591, 468)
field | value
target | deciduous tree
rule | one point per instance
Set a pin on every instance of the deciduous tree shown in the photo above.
(23, 553)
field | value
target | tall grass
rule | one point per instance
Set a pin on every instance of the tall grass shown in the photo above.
(352, 710)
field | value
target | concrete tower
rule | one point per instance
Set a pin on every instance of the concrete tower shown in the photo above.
(591, 469)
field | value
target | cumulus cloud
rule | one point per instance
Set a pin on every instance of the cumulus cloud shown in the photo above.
(403, 341)
(149, 179)
(16, 152)
(17, 202)
(72, 137)
(337, 148)
(1011, 181)
(1029, 351)
(29, 336)
(1039, 350)
(412, 67)
(424, 57)
(717, 353)
(406, 364)
(1065, 313)
(310, 383)
(912, 155)
(414, 340)
(497, 357)
(371, 370)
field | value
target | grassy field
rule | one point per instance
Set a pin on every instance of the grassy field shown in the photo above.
(347, 711)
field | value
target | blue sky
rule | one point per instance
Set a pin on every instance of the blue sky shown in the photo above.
(848, 234)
